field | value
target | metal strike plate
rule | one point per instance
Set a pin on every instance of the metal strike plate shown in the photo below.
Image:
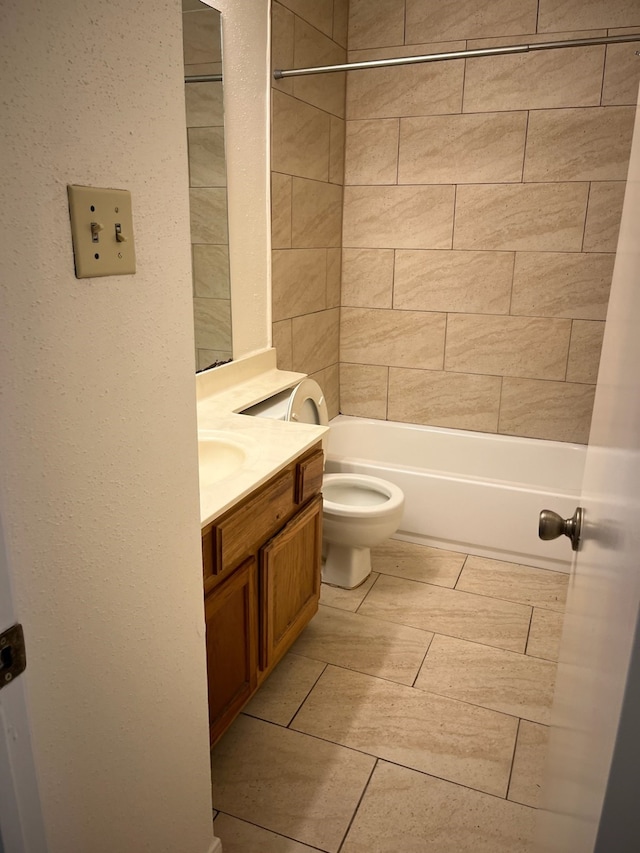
(13, 655)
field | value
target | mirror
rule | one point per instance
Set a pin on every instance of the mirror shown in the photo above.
(201, 29)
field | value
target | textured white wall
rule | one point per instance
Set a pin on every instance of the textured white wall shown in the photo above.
(98, 460)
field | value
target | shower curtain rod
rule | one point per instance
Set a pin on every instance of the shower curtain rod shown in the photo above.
(458, 54)
(204, 78)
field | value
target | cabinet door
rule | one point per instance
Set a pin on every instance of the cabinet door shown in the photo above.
(231, 617)
(290, 582)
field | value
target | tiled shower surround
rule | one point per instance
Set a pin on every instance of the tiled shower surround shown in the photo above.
(481, 207)
(307, 179)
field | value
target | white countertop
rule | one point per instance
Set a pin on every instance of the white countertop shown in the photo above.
(269, 445)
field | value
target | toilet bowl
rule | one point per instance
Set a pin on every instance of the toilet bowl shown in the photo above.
(358, 511)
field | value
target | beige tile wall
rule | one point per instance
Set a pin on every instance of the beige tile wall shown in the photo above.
(307, 161)
(481, 208)
(207, 182)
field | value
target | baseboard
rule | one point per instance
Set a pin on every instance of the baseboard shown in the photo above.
(216, 846)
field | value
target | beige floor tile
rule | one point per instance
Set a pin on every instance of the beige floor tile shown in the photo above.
(527, 775)
(287, 782)
(417, 562)
(537, 587)
(494, 678)
(346, 599)
(409, 812)
(238, 836)
(448, 611)
(366, 645)
(449, 739)
(545, 634)
(285, 690)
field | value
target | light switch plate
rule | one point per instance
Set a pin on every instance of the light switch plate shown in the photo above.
(102, 231)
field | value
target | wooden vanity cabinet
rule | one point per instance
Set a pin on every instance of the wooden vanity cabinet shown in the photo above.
(231, 617)
(261, 564)
(289, 582)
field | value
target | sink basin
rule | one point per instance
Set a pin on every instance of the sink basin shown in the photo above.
(219, 456)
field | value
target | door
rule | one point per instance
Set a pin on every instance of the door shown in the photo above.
(231, 619)
(593, 761)
(21, 829)
(290, 582)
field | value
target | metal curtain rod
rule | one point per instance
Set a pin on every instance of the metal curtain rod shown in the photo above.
(458, 54)
(204, 78)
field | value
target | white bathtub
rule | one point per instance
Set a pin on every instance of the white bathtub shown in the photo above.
(467, 491)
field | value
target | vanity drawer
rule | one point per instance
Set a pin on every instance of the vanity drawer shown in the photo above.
(309, 474)
(244, 528)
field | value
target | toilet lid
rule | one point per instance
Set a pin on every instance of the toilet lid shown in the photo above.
(307, 404)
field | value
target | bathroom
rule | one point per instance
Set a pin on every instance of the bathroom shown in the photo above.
(86, 363)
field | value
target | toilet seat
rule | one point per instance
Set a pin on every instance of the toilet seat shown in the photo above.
(337, 486)
(307, 404)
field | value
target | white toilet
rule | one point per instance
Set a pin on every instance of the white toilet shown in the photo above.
(358, 511)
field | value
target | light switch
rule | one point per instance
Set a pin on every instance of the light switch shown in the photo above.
(102, 231)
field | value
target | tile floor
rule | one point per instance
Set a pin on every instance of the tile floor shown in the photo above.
(411, 715)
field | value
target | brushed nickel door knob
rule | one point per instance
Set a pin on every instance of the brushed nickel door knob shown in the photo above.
(552, 525)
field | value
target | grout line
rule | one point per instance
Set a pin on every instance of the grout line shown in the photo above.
(604, 69)
(453, 222)
(413, 683)
(464, 82)
(408, 767)
(566, 365)
(477, 705)
(419, 690)
(267, 829)
(309, 692)
(513, 279)
(528, 633)
(524, 149)
(586, 214)
(464, 563)
(502, 378)
(386, 410)
(479, 594)
(355, 812)
(367, 593)
(443, 779)
(513, 758)
(456, 636)
(393, 279)
(444, 343)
